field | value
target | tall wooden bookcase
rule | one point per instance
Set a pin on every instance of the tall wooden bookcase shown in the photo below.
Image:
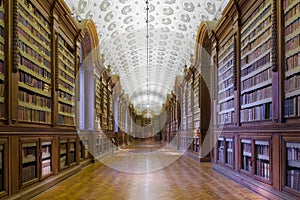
(37, 96)
(255, 95)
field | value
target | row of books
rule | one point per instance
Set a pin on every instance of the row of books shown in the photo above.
(66, 86)
(33, 81)
(293, 179)
(66, 55)
(65, 96)
(257, 52)
(29, 151)
(2, 15)
(292, 83)
(33, 67)
(2, 90)
(262, 169)
(291, 28)
(225, 106)
(29, 173)
(38, 33)
(34, 10)
(67, 68)
(33, 54)
(66, 108)
(226, 48)
(225, 83)
(2, 33)
(226, 93)
(246, 147)
(257, 15)
(292, 12)
(263, 30)
(287, 3)
(262, 112)
(257, 79)
(34, 42)
(229, 158)
(225, 118)
(247, 163)
(66, 76)
(34, 99)
(255, 66)
(292, 43)
(31, 115)
(225, 75)
(292, 107)
(225, 67)
(292, 62)
(37, 20)
(66, 120)
(225, 60)
(293, 154)
(257, 95)
(262, 150)
(46, 167)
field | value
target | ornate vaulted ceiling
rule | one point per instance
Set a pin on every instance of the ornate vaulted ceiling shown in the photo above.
(121, 26)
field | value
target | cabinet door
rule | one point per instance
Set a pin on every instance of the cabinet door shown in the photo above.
(46, 158)
(29, 162)
(63, 154)
(3, 167)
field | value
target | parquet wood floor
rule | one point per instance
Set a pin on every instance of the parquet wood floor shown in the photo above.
(183, 179)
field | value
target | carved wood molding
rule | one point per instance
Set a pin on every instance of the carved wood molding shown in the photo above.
(15, 42)
(274, 36)
(56, 62)
(234, 63)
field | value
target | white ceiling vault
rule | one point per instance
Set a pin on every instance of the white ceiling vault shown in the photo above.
(121, 26)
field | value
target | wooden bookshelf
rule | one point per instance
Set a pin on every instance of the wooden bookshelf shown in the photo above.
(66, 82)
(225, 105)
(292, 164)
(256, 65)
(291, 11)
(34, 64)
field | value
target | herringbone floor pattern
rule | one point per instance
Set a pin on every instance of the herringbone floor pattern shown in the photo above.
(181, 180)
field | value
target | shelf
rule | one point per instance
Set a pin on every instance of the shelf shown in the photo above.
(228, 68)
(292, 52)
(249, 154)
(36, 75)
(253, 18)
(34, 107)
(67, 72)
(66, 114)
(226, 111)
(292, 35)
(257, 71)
(287, 9)
(292, 72)
(66, 63)
(227, 54)
(257, 86)
(293, 163)
(66, 101)
(62, 88)
(32, 59)
(33, 89)
(256, 59)
(245, 141)
(263, 157)
(291, 20)
(254, 49)
(29, 159)
(35, 17)
(230, 86)
(225, 79)
(256, 103)
(65, 80)
(293, 145)
(229, 150)
(293, 93)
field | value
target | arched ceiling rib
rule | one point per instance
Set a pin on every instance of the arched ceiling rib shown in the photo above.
(121, 26)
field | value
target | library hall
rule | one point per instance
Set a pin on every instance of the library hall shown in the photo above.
(150, 99)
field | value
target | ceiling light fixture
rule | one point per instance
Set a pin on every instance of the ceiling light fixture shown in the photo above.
(147, 37)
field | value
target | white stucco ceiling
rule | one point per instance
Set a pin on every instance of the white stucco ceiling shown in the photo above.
(121, 26)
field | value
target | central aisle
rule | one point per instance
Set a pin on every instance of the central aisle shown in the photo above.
(184, 178)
